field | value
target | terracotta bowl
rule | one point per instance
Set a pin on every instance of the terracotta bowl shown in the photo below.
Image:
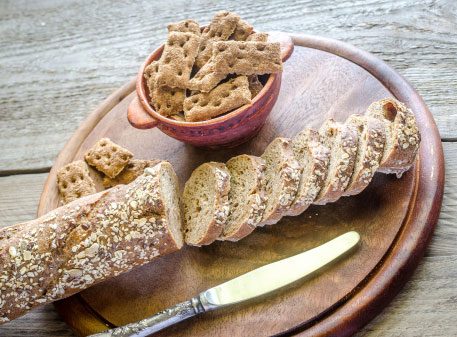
(227, 130)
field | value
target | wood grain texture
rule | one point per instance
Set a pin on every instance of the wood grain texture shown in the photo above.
(425, 307)
(67, 56)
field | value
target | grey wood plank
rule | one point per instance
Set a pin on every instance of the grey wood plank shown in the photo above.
(426, 307)
(60, 59)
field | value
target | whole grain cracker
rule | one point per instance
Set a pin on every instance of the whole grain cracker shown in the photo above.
(185, 26)
(178, 117)
(165, 100)
(242, 30)
(257, 37)
(108, 157)
(206, 78)
(225, 97)
(74, 181)
(133, 170)
(246, 58)
(177, 60)
(221, 28)
(255, 86)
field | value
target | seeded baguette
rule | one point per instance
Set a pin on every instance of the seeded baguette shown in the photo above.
(205, 204)
(314, 157)
(341, 139)
(88, 241)
(371, 142)
(282, 176)
(402, 135)
(246, 196)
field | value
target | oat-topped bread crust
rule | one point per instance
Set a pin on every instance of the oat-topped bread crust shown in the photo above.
(402, 135)
(88, 241)
(108, 157)
(314, 158)
(282, 176)
(246, 196)
(205, 204)
(133, 170)
(74, 181)
(372, 138)
(342, 140)
(222, 26)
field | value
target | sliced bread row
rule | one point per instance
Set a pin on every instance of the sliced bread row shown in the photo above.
(227, 202)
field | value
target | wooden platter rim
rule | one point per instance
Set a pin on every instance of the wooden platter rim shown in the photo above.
(378, 288)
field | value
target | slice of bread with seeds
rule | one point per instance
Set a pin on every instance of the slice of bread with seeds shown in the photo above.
(314, 157)
(246, 196)
(205, 203)
(341, 139)
(372, 138)
(282, 176)
(402, 135)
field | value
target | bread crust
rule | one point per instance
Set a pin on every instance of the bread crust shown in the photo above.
(287, 178)
(254, 205)
(337, 180)
(402, 134)
(217, 222)
(83, 243)
(307, 147)
(372, 139)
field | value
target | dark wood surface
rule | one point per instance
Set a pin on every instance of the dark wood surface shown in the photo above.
(60, 59)
(317, 85)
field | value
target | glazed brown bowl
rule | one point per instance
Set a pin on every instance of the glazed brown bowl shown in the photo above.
(227, 130)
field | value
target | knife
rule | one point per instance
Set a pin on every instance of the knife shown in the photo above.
(253, 284)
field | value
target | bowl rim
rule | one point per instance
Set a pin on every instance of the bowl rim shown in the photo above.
(143, 97)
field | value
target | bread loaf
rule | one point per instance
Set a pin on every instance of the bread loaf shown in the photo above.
(88, 241)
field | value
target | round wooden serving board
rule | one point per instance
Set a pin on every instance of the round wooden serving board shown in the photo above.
(395, 217)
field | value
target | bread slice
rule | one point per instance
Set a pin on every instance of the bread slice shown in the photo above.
(314, 157)
(341, 139)
(402, 135)
(205, 203)
(372, 138)
(282, 176)
(246, 196)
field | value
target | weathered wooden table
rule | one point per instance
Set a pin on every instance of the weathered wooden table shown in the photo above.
(59, 59)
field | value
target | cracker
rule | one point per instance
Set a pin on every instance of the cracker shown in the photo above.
(258, 37)
(74, 181)
(225, 97)
(242, 30)
(221, 28)
(185, 26)
(206, 78)
(247, 58)
(165, 100)
(108, 157)
(177, 60)
(254, 85)
(133, 170)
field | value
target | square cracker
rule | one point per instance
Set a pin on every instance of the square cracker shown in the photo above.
(177, 60)
(185, 26)
(165, 100)
(74, 181)
(225, 97)
(133, 170)
(242, 30)
(206, 78)
(258, 37)
(254, 85)
(222, 26)
(247, 58)
(108, 157)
